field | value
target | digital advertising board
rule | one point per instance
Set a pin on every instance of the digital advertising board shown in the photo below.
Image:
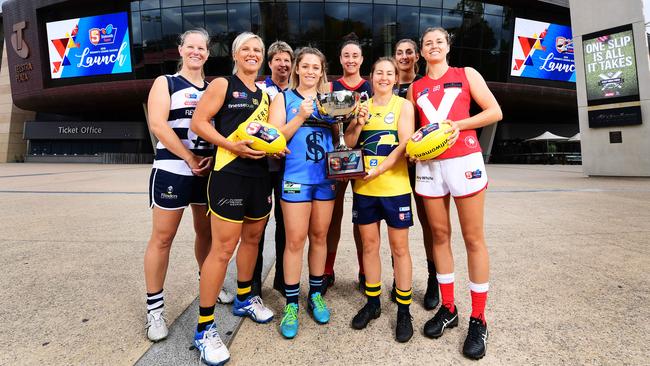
(89, 46)
(542, 51)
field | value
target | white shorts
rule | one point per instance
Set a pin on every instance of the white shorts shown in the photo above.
(462, 176)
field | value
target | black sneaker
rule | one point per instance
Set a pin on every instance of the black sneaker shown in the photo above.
(404, 327)
(328, 281)
(365, 315)
(432, 296)
(362, 282)
(476, 342)
(442, 320)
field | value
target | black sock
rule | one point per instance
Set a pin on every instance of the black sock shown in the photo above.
(431, 267)
(206, 317)
(372, 293)
(243, 289)
(315, 284)
(291, 292)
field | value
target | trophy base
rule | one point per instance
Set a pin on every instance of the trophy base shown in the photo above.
(345, 164)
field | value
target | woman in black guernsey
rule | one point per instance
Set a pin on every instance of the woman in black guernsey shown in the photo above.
(351, 60)
(407, 56)
(238, 191)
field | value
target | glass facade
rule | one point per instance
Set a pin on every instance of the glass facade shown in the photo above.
(482, 32)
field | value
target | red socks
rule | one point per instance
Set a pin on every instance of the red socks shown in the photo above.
(479, 293)
(329, 263)
(446, 283)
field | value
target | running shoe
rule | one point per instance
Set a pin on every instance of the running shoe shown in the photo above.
(213, 351)
(156, 327)
(318, 308)
(254, 308)
(289, 323)
(476, 342)
(225, 297)
(365, 315)
(442, 320)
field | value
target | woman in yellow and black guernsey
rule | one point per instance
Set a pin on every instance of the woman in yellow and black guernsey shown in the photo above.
(238, 192)
(382, 129)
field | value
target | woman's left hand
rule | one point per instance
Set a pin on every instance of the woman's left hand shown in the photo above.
(281, 154)
(373, 173)
(455, 132)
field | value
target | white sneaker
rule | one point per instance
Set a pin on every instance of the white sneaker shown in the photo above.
(213, 351)
(225, 297)
(156, 327)
(254, 308)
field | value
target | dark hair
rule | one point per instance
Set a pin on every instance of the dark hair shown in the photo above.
(348, 39)
(387, 59)
(415, 48)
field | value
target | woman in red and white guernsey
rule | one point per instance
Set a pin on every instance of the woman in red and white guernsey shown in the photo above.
(445, 94)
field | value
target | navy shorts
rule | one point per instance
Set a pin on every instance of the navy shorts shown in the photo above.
(171, 191)
(396, 210)
(233, 197)
(298, 192)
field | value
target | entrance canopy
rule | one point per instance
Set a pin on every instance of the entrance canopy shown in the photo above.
(547, 136)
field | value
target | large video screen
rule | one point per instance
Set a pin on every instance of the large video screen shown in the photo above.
(610, 66)
(542, 51)
(95, 45)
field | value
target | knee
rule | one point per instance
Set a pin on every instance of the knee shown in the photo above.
(441, 235)
(161, 241)
(371, 246)
(474, 242)
(400, 251)
(295, 245)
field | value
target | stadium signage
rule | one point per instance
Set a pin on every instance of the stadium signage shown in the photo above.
(18, 40)
(611, 77)
(73, 130)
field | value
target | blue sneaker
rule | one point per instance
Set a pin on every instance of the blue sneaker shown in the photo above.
(289, 323)
(318, 308)
(254, 308)
(213, 351)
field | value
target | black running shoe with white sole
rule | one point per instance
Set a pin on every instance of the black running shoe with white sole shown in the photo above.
(476, 342)
(443, 319)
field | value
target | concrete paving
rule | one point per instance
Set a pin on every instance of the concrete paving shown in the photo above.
(569, 277)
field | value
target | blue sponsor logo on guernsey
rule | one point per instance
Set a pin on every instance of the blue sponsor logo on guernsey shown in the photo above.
(239, 95)
(404, 209)
(474, 175)
(373, 162)
(423, 92)
(191, 96)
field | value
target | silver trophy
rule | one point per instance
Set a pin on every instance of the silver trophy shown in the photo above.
(339, 107)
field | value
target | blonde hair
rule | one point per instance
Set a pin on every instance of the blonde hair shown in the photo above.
(181, 42)
(300, 54)
(239, 42)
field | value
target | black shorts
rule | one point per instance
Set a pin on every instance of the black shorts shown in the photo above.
(171, 191)
(396, 210)
(233, 197)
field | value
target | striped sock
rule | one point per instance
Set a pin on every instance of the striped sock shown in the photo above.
(315, 284)
(404, 299)
(206, 317)
(291, 293)
(243, 289)
(446, 282)
(155, 301)
(479, 293)
(373, 290)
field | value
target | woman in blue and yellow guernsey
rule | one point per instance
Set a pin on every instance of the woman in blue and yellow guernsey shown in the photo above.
(351, 59)
(382, 129)
(238, 192)
(307, 194)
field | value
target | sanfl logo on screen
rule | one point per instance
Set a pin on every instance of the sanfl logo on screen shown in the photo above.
(102, 36)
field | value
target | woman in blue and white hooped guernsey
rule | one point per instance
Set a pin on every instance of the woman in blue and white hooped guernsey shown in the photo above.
(180, 169)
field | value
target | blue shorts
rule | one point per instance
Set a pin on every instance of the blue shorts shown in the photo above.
(171, 191)
(396, 210)
(298, 192)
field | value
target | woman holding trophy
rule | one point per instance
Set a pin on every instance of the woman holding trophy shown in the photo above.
(351, 59)
(307, 194)
(382, 129)
(238, 191)
(444, 95)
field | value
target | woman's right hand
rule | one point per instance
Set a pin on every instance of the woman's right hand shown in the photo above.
(362, 116)
(241, 149)
(194, 162)
(306, 107)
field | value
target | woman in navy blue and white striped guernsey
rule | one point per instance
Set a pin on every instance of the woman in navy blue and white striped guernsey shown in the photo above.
(179, 175)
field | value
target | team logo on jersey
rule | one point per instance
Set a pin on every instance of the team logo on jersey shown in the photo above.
(404, 216)
(379, 143)
(390, 118)
(169, 194)
(170, 190)
(470, 141)
(255, 101)
(191, 96)
(423, 92)
(373, 162)
(268, 199)
(473, 175)
(315, 151)
(239, 95)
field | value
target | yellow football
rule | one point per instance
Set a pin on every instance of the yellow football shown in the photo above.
(428, 142)
(265, 136)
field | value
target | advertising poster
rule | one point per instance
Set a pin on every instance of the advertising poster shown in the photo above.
(610, 65)
(542, 51)
(96, 45)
